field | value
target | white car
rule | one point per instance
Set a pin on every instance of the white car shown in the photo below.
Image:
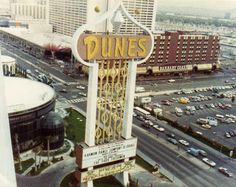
(198, 132)
(161, 129)
(184, 142)
(209, 162)
(83, 94)
(80, 87)
(171, 80)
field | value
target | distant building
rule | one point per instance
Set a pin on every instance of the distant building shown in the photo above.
(9, 65)
(227, 15)
(144, 11)
(178, 52)
(67, 15)
(25, 10)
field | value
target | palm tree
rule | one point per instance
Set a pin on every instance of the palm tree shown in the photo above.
(36, 150)
(18, 150)
(48, 138)
(40, 149)
(53, 48)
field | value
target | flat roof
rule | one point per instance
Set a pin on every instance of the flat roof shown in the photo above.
(6, 59)
(25, 94)
(39, 38)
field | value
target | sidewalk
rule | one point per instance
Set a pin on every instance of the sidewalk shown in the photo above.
(30, 154)
(147, 179)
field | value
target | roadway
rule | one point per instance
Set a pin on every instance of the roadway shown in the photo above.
(190, 173)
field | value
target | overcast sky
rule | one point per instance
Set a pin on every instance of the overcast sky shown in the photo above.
(209, 4)
(4, 3)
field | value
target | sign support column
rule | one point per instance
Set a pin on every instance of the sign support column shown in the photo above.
(130, 90)
(92, 101)
(7, 169)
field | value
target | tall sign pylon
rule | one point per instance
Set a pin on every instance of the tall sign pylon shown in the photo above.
(112, 59)
(7, 169)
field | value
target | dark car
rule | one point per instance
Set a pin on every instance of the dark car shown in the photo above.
(225, 172)
(231, 133)
(203, 153)
(146, 125)
(172, 140)
(234, 132)
(171, 135)
(63, 91)
(208, 105)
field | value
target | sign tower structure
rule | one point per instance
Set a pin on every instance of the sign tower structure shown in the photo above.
(7, 169)
(112, 59)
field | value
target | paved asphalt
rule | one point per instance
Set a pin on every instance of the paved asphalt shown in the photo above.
(191, 172)
(50, 177)
(219, 131)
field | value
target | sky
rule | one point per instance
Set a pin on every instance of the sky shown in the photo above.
(211, 4)
(208, 4)
(4, 3)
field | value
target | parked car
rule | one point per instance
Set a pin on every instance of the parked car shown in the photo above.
(161, 129)
(201, 107)
(198, 132)
(227, 135)
(171, 135)
(202, 152)
(225, 171)
(193, 151)
(231, 133)
(80, 87)
(172, 140)
(63, 91)
(146, 125)
(212, 121)
(206, 126)
(184, 142)
(209, 162)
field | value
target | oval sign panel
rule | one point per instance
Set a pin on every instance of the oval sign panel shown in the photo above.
(101, 46)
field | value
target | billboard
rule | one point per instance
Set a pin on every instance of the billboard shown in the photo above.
(104, 171)
(102, 46)
(105, 153)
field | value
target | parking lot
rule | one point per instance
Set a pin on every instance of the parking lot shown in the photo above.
(203, 103)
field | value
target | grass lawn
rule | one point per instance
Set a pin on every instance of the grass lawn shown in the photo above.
(144, 164)
(25, 165)
(59, 151)
(75, 126)
(44, 165)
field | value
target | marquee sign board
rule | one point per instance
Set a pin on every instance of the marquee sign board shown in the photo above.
(105, 153)
(104, 171)
(102, 46)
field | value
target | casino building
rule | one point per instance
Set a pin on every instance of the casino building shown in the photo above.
(180, 53)
(30, 106)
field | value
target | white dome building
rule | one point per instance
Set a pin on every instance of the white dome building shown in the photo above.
(29, 104)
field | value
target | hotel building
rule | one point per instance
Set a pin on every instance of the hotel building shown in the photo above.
(179, 52)
(67, 15)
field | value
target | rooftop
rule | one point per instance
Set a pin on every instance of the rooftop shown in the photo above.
(6, 59)
(24, 94)
(39, 38)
